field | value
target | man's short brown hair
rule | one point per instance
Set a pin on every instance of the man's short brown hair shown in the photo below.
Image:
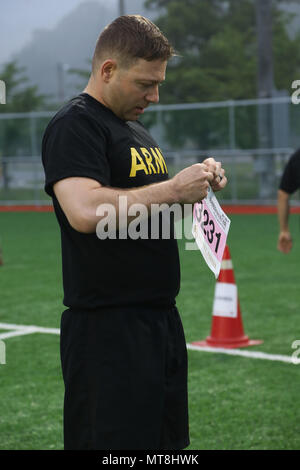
(131, 37)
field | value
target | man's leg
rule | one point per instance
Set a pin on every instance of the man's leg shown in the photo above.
(116, 374)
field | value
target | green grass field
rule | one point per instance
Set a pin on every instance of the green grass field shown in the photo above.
(235, 402)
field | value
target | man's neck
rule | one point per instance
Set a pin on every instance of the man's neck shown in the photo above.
(91, 90)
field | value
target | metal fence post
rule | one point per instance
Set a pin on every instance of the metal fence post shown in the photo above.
(34, 153)
(232, 144)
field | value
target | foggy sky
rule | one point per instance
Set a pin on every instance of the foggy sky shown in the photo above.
(19, 18)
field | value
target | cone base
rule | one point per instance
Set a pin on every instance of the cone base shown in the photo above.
(229, 344)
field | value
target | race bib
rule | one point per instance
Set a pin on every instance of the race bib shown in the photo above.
(210, 228)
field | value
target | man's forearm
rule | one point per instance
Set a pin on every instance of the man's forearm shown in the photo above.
(283, 210)
(104, 197)
(285, 242)
(84, 201)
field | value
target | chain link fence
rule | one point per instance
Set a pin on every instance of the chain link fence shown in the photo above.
(253, 139)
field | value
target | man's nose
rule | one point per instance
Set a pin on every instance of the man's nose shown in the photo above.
(153, 95)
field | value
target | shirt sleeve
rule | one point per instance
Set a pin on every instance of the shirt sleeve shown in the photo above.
(290, 180)
(74, 146)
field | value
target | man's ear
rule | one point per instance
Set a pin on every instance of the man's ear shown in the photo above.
(107, 69)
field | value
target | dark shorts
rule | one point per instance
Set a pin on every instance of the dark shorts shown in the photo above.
(125, 374)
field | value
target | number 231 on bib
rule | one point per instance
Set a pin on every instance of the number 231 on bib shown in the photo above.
(210, 229)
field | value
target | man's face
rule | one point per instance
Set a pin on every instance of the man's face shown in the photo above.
(130, 91)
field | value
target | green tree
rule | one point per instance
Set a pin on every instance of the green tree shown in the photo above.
(17, 137)
(216, 43)
(217, 46)
(19, 97)
(82, 74)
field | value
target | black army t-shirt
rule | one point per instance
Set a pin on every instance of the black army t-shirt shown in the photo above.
(290, 180)
(86, 139)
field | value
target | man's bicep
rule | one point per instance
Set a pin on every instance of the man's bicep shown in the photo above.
(74, 196)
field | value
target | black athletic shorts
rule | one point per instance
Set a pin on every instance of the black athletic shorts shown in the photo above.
(125, 375)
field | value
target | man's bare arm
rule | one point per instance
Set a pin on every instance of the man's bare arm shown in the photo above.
(284, 239)
(79, 197)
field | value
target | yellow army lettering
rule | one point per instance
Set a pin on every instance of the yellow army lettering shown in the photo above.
(145, 161)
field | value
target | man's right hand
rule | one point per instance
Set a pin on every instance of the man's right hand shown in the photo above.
(285, 242)
(191, 184)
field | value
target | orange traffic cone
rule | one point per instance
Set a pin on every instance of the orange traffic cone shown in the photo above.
(227, 327)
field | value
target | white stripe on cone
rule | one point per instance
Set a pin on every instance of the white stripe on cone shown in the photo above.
(225, 300)
(226, 264)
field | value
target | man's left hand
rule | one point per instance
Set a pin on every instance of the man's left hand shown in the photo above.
(219, 181)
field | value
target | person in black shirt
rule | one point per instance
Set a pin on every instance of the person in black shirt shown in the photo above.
(290, 182)
(123, 349)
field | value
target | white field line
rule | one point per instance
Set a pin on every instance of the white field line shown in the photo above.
(246, 353)
(19, 330)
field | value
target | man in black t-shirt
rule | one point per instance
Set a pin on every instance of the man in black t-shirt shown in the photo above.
(123, 350)
(290, 182)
